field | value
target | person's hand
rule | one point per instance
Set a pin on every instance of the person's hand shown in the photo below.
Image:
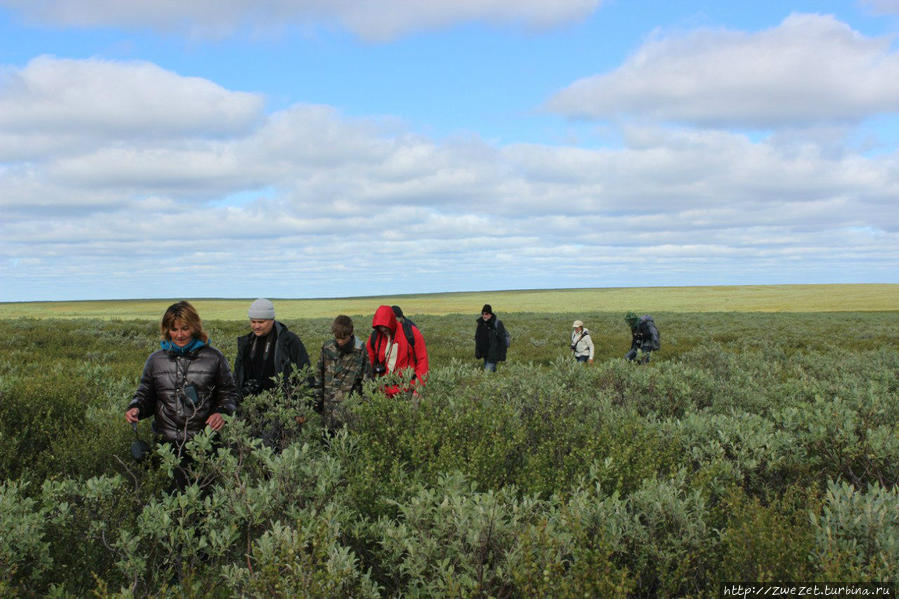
(590, 361)
(132, 415)
(215, 421)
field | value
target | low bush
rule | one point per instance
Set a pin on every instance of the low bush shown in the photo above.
(753, 447)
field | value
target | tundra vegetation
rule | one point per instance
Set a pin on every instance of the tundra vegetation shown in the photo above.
(754, 447)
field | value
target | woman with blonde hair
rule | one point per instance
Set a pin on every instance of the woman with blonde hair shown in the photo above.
(186, 384)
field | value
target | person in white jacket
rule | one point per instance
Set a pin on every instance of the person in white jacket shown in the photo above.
(581, 343)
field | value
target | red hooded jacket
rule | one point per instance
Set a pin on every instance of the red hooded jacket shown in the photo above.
(406, 356)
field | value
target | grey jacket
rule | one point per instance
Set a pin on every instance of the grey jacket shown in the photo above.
(161, 391)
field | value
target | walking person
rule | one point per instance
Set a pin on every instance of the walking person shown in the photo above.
(268, 353)
(395, 347)
(490, 339)
(186, 385)
(644, 337)
(341, 370)
(581, 343)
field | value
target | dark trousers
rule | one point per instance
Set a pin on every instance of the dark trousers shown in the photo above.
(644, 357)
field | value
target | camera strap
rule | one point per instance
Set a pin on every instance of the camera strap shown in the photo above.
(265, 352)
(182, 371)
(387, 350)
(578, 340)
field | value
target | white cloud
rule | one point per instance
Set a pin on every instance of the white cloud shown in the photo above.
(884, 7)
(809, 69)
(371, 19)
(387, 19)
(308, 202)
(90, 99)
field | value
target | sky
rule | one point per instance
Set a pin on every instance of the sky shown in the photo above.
(322, 148)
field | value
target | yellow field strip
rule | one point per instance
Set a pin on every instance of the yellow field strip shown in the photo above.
(750, 298)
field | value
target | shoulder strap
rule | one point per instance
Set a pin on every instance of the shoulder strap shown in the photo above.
(407, 329)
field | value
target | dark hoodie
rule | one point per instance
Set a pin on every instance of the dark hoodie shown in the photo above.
(402, 355)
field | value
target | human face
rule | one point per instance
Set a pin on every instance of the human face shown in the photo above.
(485, 315)
(261, 327)
(383, 329)
(342, 341)
(578, 329)
(180, 333)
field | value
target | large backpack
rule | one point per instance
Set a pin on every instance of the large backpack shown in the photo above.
(507, 339)
(655, 341)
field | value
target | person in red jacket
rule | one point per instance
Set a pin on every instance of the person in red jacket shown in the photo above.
(394, 347)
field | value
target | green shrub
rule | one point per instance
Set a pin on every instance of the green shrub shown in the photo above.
(24, 550)
(546, 478)
(301, 561)
(669, 543)
(766, 543)
(857, 533)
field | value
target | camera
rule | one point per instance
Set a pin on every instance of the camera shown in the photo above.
(189, 393)
(251, 387)
(573, 346)
(379, 369)
(140, 449)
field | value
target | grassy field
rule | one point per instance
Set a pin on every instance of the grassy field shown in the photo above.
(755, 446)
(761, 443)
(749, 298)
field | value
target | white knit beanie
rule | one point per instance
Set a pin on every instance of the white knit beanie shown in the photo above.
(262, 309)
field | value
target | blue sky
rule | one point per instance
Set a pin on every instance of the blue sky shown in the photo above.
(320, 149)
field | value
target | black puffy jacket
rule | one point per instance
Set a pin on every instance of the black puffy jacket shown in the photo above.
(161, 391)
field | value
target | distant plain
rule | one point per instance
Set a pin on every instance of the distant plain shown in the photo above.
(748, 298)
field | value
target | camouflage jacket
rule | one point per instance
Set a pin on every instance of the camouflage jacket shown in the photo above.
(339, 374)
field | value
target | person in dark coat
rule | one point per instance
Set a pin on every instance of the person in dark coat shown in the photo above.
(490, 339)
(268, 350)
(186, 385)
(644, 337)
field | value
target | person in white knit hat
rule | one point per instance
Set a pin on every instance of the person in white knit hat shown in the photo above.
(268, 350)
(581, 344)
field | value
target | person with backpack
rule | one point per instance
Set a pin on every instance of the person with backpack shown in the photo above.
(581, 343)
(644, 337)
(395, 347)
(490, 339)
